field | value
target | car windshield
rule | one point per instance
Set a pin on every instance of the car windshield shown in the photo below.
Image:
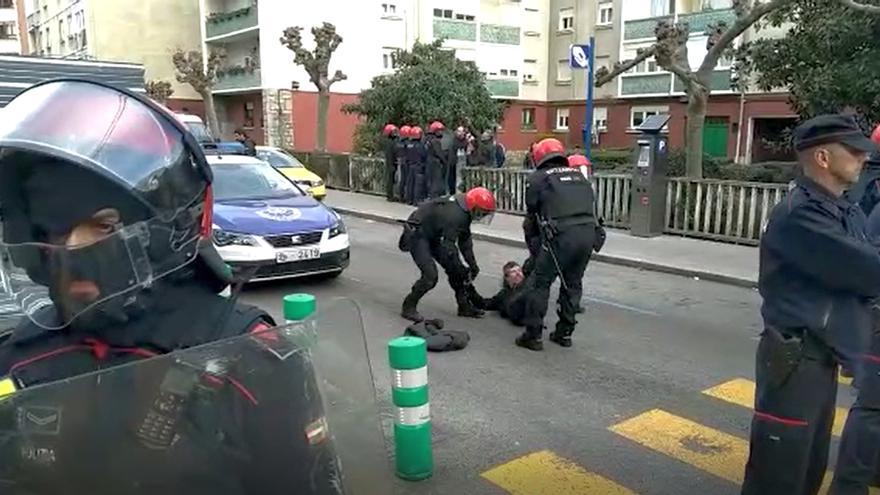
(200, 131)
(250, 181)
(279, 159)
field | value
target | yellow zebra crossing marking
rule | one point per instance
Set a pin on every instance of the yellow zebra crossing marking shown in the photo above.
(741, 392)
(545, 473)
(710, 450)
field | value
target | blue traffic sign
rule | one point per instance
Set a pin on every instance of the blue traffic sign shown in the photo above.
(579, 56)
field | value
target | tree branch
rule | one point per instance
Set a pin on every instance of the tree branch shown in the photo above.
(871, 9)
(603, 78)
(338, 76)
(739, 26)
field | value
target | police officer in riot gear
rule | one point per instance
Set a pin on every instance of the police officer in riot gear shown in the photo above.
(107, 205)
(392, 136)
(440, 229)
(818, 271)
(416, 157)
(438, 161)
(559, 202)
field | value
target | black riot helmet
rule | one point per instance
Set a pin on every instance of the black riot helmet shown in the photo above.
(103, 192)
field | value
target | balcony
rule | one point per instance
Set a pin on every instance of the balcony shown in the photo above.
(642, 28)
(699, 21)
(645, 84)
(720, 81)
(455, 30)
(502, 35)
(235, 78)
(503, 88)
(221, 24)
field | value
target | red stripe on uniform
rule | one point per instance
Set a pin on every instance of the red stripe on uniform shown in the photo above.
(777, 419)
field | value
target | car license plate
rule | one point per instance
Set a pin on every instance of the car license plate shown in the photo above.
(290, 255)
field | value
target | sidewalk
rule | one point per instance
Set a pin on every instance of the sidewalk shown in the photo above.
(725, 263)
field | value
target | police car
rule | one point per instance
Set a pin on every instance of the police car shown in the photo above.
(269, 228)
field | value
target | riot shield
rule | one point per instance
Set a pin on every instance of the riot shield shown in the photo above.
(290, 409)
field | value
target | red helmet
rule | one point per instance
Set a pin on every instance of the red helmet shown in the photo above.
(875, 136)
(415, 132)
(406, 131)
(436, 126)
(575, 161)
(389, 128)
(480, 198)
(546, 150)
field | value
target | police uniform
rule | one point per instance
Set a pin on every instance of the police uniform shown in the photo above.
(106, 247)
(416, 155)
(560, 200)
(817, 271)
(866, 192)
(390, 165)
(436, 166)
(440, 229)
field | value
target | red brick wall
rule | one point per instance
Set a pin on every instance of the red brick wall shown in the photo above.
(192, 107)
(340, 126)
(235, 114)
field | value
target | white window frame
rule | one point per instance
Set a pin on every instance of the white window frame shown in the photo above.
(603, 8)
(566, 14)
(600, 116)
(562, 68)
(563, 118)
(387, 55)
(644, 110)
(528, 122)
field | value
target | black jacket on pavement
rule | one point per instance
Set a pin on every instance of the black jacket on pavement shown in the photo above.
(818, 268)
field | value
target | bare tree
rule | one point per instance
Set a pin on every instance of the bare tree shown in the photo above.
(670, 51)
(870, 9)
(159, 90)
(316, 64)
(190, 68)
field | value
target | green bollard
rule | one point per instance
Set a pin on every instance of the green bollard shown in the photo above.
(298, 307)
(408, 357)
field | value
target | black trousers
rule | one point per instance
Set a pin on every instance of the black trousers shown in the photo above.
(857, 460)
(403, 187)
(390, 172)
(791, 426)
(572, 248)
(424, 254)
(452, 176)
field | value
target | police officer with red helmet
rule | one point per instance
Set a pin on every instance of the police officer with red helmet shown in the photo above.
(440, 230)
(106, 247)
(559, 201)
(392, 136)
(438, 162)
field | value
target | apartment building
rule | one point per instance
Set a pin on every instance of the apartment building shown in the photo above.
(10, 39)
(117, 30)
(262, 90)
(734, 121)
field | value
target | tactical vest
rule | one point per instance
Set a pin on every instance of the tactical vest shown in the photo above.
(568, 196)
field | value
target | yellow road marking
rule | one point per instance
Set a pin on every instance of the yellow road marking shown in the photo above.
(741, 392)
(710, 450)
(545, 473)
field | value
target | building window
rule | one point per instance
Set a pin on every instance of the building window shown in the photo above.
(449, 14)
(606, 14)
(389, 9)
(562, 119)
(528, 118)
(563, 71)
(600, 119)
(388, 59)
(249, 114)
(508, 72)
(566, 19)
(637, 115)
(659, 8)
(529, 78)
(7, 31)
(5, 4)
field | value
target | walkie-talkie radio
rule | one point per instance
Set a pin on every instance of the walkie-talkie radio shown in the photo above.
(159, 427)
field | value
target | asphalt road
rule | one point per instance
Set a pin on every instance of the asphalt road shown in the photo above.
(630, 408)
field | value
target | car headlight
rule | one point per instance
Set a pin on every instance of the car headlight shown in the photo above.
(337, 229)
(223, 238)
(318, 183)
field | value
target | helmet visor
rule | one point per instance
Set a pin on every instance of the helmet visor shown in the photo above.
(54, 284)
(107, 131)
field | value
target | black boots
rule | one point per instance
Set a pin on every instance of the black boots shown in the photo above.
(470, 312)
(530, 340)
(409, 311)
(561, 338)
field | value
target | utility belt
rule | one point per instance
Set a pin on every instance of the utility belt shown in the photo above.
(784, 349)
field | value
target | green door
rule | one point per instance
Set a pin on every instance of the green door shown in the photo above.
(715, 136)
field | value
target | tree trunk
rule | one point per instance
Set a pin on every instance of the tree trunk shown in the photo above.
(698, 101)
(323, 108)
(211, 114)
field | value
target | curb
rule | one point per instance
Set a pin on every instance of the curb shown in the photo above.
(602, 258)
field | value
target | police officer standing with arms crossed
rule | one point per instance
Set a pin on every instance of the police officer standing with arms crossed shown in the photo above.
(559, 201)
(107, 207)
(818, 271)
